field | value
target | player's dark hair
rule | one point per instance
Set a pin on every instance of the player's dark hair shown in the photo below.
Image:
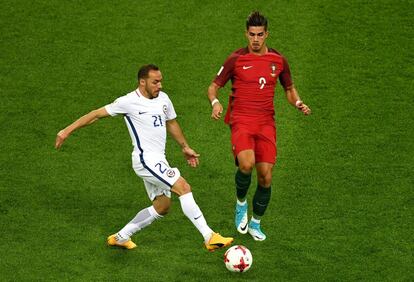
(145, 69)
(256, 19)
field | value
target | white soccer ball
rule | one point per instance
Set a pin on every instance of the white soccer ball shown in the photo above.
(238, 259)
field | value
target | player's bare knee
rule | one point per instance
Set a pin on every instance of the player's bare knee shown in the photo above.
(265, 180)
(181, 187)
(162, 204)
(246, 167)
(162, 210)
(187, 188)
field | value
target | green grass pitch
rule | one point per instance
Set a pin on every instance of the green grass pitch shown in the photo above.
(342, 201)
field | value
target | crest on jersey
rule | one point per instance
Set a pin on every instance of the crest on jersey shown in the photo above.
(170, 173)
(164, 109)
(273, 68)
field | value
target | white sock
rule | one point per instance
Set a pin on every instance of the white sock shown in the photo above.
(143, 218)
(193, 212)
(241, 203)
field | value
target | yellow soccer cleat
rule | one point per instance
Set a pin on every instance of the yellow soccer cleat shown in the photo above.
(127, 245)
(217, 241)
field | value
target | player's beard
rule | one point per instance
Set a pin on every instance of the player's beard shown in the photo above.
(152, 93)
(155, 94)
(256, 47)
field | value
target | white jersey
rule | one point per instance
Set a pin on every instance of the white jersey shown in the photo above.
(146, 121)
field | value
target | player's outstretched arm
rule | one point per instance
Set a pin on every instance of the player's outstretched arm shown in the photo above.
(294, 99)
(81, 122)
(175, 131)
(217, 108)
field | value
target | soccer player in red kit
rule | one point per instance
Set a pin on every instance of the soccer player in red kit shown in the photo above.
(254, 72)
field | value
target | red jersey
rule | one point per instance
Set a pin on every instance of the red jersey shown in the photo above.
(254, 79)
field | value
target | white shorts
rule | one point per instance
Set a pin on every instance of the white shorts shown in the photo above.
(157, 175)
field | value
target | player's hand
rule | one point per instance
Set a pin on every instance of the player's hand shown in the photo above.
(191, 156)
(217, 111)
(60, 138)
(303, 108)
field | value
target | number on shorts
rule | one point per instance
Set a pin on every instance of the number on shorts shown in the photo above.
(160, 167)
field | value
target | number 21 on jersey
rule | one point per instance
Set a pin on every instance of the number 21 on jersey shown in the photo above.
(157, 120)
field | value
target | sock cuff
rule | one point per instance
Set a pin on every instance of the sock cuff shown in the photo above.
(264, 189)
(153, 212)
(241, 203)
(185, 196)
(242, 174)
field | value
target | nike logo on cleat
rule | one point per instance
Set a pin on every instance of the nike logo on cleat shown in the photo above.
(243, 228)
(217, 244)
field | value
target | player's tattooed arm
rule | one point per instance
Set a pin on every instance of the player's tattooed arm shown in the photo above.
(175, 131)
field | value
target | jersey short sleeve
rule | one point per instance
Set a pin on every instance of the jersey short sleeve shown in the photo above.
(170, 113)
(284, 77)
(119, 106)
(226, 70)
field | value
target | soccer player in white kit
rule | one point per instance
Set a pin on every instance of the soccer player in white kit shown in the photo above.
(149, 114)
